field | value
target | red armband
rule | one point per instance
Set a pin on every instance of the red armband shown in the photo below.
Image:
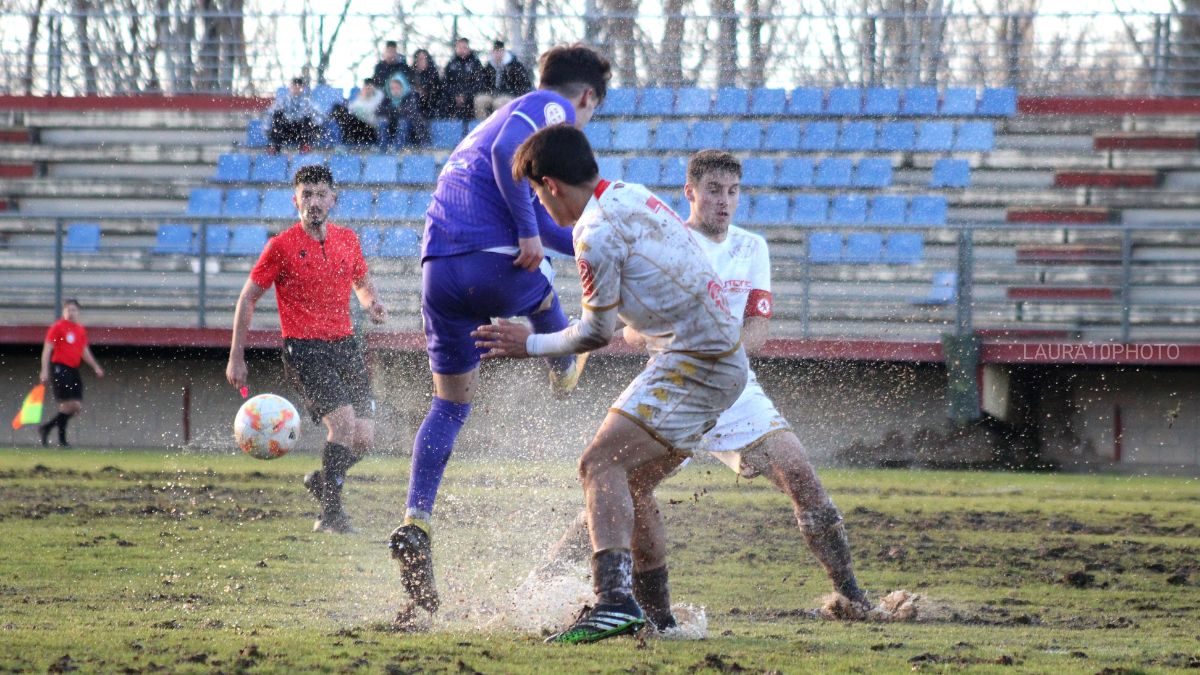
(759, 303)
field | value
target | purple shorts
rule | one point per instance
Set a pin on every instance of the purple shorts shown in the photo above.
(461, 293)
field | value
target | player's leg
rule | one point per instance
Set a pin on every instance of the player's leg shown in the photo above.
(68, 391)
(549, 317)
(650, 586)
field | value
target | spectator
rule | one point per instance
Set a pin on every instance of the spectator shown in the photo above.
(428, 84)
(391, 63)
(359, 121)
(461, 79)
(295, 121)
(402, 123)
(501, 80)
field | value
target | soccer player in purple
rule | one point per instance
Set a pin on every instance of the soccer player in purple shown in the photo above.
(483, 257)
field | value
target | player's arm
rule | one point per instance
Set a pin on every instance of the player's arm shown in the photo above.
(554, 236)
(760, 305)
(364, 288)
(755, 331)
(89, 359)
(516, 193)
(235, 370)
(44, 375)
(515, 341)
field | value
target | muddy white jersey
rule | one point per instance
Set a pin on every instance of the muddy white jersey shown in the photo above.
(636, 255)
(744, 265)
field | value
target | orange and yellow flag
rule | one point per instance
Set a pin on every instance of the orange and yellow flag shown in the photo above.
(31, 409)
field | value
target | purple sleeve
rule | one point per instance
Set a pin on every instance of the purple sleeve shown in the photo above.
(516, 194)
(554, 236)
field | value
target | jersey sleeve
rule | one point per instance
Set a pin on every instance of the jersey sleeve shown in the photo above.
(516, 129)
(269, 264)
(598, 255)
(759, 301)
(54, 332)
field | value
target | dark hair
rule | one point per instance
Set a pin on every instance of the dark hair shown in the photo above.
(559, 151)
(706, 161)
(369, 80)
(569, 68)
(313, 174)
(463, 39)
(498, 44)
(72, 301)
(390, 43)
(299, 80)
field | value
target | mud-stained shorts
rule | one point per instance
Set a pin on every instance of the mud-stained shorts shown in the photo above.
(744, 427)
(678, 398)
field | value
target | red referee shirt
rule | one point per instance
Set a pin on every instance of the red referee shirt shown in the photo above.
(68, 339)
(313, 280)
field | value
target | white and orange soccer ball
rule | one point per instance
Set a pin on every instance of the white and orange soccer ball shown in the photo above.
(267, 426)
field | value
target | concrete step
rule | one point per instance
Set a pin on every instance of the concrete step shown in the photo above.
(1061, 214)
(1157, 141)
(1109, 178)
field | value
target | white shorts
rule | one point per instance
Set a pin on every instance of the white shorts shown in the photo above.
(677, 398)
(750, 420)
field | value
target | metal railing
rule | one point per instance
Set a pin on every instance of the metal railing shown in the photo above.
(1092, 53)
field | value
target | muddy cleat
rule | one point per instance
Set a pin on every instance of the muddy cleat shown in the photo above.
(409, 545)
(44, 434)
(565, 382)
(314, 482)
(603, 621)
(338, 523)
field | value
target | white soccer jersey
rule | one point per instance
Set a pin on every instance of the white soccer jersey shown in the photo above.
(635, 254)
(743, 263)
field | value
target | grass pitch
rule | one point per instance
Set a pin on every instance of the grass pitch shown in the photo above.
(155, 562)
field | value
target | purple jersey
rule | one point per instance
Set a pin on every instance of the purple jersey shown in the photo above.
(477, 205)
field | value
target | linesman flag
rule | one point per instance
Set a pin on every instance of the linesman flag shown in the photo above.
(31, 409)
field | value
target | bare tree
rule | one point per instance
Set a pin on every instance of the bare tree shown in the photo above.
(670, 51)
(35, 22)
(1187, 48)
(727, 42)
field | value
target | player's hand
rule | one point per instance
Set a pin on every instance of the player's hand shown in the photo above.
(531, 254)
(504, 339)
(377, 313)
(99, 372)
(235, 372)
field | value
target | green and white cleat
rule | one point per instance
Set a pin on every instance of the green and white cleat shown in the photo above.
(603, 621)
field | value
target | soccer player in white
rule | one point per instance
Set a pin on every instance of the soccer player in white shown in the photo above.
(751, 437)
(639, 262)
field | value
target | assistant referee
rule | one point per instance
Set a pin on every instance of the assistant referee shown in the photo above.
(65, 346)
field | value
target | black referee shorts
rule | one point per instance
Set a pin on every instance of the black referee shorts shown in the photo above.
(329, 374)
(67, 384)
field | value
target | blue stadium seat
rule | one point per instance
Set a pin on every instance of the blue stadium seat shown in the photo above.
(216, 240)
(368, 239)
(277, 203)
(873, 172)
(204, 202)
(256, 134)
(379, 169)
(768, 102)
(959, 102)
(599, 135)
(743, 136)
(611, 168)
(631, 135)
(863, 248)
(942, 291)
(679, 204)
(927, 210)
(417, 170)
(345, 168)
(848, 210)
(857, 137)
(820, 137)
(302, 160)
(806, 101)
(882, 102)
(888, 210)
(353, 205)
(247, 240)
(670, 135)
(810, 209)
(269, 169)
(834, 172)
(674, 171)
(1001, 102)
(418, 204)
(619, 102)
(656, 102)
(233, 168)
(758, 172)
(446, 133)
(707, 134)
(896, 136)
(644, 170)
(82, 238)
(920, 102)
(731, 101)
(795, 172)
(392, 205)
(173, 239)
(825, 248)
(769, 209)
(844, 102)
(693, 102)
(400, 242)
(742, 214)
(935, 137)
(975, 137)
(904, 248)
(324, 97)
(950, 173)
(782, 136)
(241, 203)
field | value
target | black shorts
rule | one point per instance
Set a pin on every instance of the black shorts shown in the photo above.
(329, 375)
(68, 386)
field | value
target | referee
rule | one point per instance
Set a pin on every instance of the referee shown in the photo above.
(313, 266)
(66, 345)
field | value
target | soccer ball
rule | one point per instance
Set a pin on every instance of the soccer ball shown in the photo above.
(267, 426)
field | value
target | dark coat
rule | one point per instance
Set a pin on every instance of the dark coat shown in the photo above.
(514, 79)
